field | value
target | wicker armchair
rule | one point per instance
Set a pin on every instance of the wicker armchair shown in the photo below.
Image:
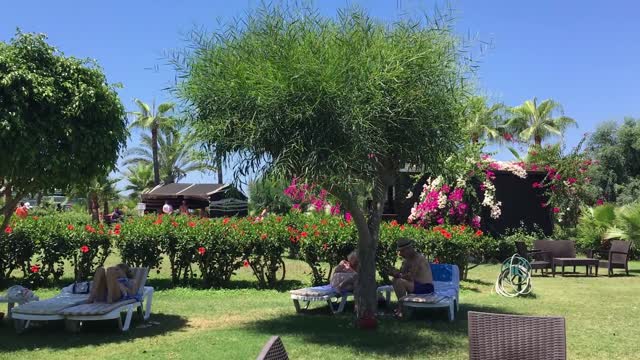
(498, 336)
(273, 350)
(617, 257)
(538, 259)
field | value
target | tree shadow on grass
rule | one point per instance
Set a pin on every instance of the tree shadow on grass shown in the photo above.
(427, 331)
(51, 334)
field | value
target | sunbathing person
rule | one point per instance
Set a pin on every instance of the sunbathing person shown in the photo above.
(345, 275)
(113, 284)
(414, 277)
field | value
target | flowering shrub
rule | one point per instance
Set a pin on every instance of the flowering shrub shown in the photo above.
(16, 250)
(139, 242)
(218, 247)
(92, 246)
(266, 242)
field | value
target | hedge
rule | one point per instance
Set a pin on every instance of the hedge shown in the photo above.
(38, 247)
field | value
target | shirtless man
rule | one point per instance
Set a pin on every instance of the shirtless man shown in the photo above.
(414, 277)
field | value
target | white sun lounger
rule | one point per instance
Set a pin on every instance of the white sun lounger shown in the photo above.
(73, 308)
(335, 299)
(446, 282)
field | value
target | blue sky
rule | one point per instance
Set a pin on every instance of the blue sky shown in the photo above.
(583, 54)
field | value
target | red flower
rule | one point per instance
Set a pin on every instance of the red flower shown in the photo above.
(316, 233)
(191, 224)
(84, 249)
(116, 231)
(226, 221)
(110, 233)
(534, 167)
(294, 239)
(599, 202)
(324, 222)
(70, 227)
(201, 250)
(394, 223)
(158, 221)
(174, 224)
(118, 226)
(341, 224)
(325, 246)
(101, 232)
(245, 263)
(446, 234)
(572, 180)
(556, 210)
(479, 233)
(8, 230)
(263, 236)
(35, 268)
(436, 261)
(304, 234)
(462, 228)
(401, 227)
(35, 218)
(89, 228)
(507, 136)
(279, 219)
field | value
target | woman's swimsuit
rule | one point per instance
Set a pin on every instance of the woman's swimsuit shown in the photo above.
(126, 296)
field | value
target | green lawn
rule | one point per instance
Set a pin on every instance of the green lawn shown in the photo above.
(602, 317)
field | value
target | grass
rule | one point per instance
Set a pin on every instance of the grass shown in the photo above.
(601, 314)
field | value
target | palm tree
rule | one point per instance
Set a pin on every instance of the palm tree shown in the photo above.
(535, 121)
(484, 121)
(176, 155)
(140, 179)
(154, 119)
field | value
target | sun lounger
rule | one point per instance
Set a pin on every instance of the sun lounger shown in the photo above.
(335, 299)
(74, 308)
(446, 282)
(76, 315)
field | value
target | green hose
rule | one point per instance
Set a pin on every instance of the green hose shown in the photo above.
(515, 277)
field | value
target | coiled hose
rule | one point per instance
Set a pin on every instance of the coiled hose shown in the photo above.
(515, 277)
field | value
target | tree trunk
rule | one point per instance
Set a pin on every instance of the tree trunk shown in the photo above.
(39, 198)
(106, 206)
(9, 207)
(368, 235)
(95, 210)
(154, 152)
(219, 168)
(538, 140)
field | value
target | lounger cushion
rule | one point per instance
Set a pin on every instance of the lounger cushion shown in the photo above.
(316, 291)
(426, 299)
(51, 306)
(94, 308)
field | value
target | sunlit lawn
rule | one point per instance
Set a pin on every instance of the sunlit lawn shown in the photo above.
(602, 322)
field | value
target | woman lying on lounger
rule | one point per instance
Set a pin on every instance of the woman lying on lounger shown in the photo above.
(113, 285)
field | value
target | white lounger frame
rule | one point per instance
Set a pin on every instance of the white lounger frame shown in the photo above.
(73, 322)
(335, 301)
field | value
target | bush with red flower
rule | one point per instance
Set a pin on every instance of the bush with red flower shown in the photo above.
(218, 248)
(266, 240)
(92, 249)
(17, 247)
(139, 242)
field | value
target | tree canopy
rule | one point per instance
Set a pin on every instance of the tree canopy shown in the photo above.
(61, 123)
(336, 101)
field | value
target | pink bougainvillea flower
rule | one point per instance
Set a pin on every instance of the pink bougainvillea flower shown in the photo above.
(536, 185)
(558, 177)
(202, 250)
(347, 217)
(543, 204)
(8, 230)
(534, 167)
(371, 156)
(84, 249)
(445, 188)
(556, 210)
(507, 136)
(485, 156)
(599, 202)
(440, 221)
(572, 180)
(490, 175)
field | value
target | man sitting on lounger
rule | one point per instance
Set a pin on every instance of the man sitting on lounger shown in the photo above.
(414, 277)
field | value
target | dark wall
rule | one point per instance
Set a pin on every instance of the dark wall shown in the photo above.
(520, 202)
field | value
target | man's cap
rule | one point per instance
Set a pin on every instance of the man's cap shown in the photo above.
(404, 243)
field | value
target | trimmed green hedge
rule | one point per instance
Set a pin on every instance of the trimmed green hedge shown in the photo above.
(218, 247)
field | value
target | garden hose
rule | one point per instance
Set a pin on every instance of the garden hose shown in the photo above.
(515, 277)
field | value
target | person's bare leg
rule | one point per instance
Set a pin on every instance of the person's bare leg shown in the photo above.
(401, 287)
(113, 287)
(99, 289)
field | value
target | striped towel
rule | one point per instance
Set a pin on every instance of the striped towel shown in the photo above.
(95, 308)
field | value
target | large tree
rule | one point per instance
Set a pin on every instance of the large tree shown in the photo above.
(177, 154)
(154, 119)
(534, 121)
(484, 121)
(339, 102)
(61, 123)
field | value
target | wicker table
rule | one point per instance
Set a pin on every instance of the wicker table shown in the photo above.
(586, 262)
